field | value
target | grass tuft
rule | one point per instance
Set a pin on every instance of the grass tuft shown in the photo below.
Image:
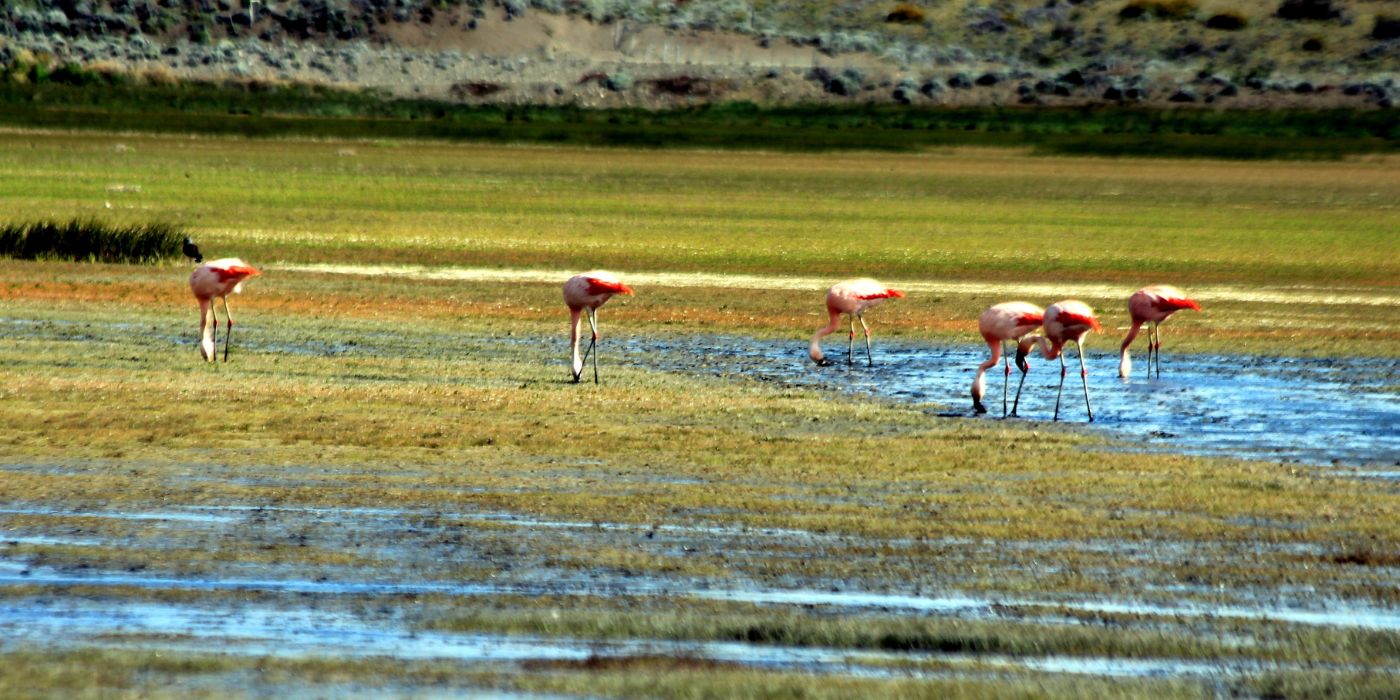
(91, 241)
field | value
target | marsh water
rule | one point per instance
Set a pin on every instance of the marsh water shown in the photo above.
(1324, 411)
(1316, 411)
(1308, 410)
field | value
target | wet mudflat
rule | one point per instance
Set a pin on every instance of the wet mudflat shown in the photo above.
(358, 576)
(408, 575)
(1289, 409)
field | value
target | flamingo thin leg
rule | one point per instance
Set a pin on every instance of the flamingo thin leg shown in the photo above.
(1084, 375)
(214, 320)
(1157, 346)
(1017, 404)
(593, 323)
(228, 332)
(1005, 380)
(851, 344)
(1062, 386)
(870, 361)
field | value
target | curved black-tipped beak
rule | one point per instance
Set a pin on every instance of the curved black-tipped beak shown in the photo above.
(978, 407)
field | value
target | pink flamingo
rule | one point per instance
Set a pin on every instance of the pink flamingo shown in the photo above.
(853, 298)
(998, 324)
(588, 291)
(1152, 304)
(217, 278)
(1064, 321)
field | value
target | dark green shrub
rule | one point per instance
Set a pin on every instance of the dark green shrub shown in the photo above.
(90, 241)
(1386, 28)
(1229, 21)
(1315, 10)
(904, 13)
(1161, 9)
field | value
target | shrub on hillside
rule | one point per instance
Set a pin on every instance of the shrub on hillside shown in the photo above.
(1161, 9)
(91, 241)
(904, 13)
(1229, 21)
(1386, 28)
(1315, 10)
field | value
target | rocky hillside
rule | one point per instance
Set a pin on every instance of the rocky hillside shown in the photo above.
(1232, 53)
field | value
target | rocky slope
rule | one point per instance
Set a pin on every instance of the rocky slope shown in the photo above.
(593, 53)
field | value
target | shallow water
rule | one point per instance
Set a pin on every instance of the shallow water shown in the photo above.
(1310, 410)
(261, 631)
(1342, 411)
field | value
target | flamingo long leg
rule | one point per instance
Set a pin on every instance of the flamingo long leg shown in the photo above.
(593, 345)
(1017, 405)
(851, 344)
(228, 332)
(1062, 386)
(1005, 380)
(214, 322)
(1084, 375)
(1157, 347)
(868, 359)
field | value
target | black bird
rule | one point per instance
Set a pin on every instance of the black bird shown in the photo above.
(192, 251)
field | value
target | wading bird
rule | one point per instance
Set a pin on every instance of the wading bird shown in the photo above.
(998, 324)
(587, 292)
(853, 298)
(191, 251)
(213, 279)
(1152, 305)
(1063, 322)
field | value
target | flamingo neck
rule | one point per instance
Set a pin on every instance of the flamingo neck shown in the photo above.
(1125, 362)
(815, 350)
(575, 326)
(979, 380)
(1048, 349)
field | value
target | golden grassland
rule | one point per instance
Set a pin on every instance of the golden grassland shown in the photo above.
(976, 216)
(455, 396)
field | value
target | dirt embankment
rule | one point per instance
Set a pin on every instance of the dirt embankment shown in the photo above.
(495, 55)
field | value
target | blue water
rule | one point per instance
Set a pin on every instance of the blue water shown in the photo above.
(1308, 410)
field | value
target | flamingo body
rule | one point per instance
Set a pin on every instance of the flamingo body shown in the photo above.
(1064, 322)
(853, 298)
(1007, 321)
(216, 280)
(1152, 304)
(584, 293)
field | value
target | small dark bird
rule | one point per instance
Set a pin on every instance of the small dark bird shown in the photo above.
(192, 251)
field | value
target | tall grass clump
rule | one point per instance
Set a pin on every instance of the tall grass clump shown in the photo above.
(91, 241)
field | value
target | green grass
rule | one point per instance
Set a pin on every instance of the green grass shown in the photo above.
(271, 110)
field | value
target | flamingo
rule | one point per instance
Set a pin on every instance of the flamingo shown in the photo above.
(588, 291)
(998, 324)
(1153, 304)
(853, 298)
(213, 279)
(1064, 321)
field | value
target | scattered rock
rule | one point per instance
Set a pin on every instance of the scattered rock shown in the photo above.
(1183, 95)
